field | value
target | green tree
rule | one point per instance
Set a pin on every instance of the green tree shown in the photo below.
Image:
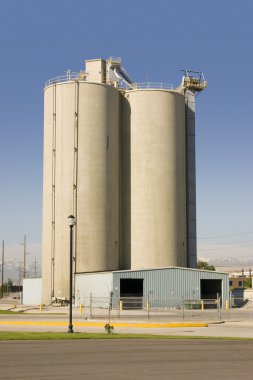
(247, 283)
(7, 288)
(204, 265)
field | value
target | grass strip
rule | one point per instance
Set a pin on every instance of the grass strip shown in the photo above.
(9, 312)
(13, 335)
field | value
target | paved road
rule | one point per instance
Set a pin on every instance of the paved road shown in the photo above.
(134, 359)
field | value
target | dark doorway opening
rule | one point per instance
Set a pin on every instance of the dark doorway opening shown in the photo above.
(210, 289)
(131, 293)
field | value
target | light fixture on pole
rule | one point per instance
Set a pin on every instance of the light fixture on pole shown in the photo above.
(71, 223)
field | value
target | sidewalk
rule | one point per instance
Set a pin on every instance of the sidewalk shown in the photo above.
(56, 319)
(101, 315)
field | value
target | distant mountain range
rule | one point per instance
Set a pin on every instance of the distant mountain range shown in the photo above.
(13, 266)
(227, 261)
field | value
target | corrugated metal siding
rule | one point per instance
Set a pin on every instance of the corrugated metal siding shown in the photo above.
(181, 282)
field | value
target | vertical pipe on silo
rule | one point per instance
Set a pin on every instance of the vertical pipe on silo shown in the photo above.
(75, 168)
(53, 191)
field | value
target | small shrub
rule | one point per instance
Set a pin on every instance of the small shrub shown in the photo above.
(109, 328)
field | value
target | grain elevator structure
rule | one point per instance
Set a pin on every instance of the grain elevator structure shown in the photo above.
(120, 157)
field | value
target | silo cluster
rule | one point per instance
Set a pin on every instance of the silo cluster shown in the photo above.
(115, 156)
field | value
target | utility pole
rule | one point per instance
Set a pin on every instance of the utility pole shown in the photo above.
(35, 267)
(3, 270)
(25, 253)
(19, 274)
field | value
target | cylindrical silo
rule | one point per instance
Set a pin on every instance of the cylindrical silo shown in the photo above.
(81, 177)
(154, 123)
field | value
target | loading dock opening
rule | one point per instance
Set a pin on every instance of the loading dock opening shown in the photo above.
(131, 293)
(210, 288)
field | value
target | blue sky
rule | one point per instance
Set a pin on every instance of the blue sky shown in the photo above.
(42, 39)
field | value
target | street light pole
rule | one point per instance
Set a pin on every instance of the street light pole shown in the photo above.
(3, 270)
(71, 222)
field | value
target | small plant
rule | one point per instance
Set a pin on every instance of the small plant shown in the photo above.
(109, 328)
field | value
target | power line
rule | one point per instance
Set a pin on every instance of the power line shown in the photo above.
(234, 242)
(218, 249)
(218, 236)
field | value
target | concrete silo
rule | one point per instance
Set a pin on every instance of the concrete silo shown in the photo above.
(121, 158)
(158, 178)
(81, 177)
